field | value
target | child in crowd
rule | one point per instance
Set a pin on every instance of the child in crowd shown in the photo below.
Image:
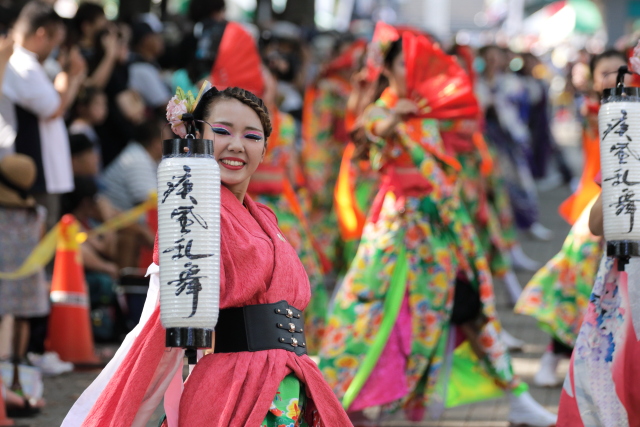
(98, 255)
(90, 110)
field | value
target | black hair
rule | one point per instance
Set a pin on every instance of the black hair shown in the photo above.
(340, 41)
(485, 49)
(84, 188)
(86, 95)
(147, 132)
(200, 10)
(395, 49)
(358, 136)
(256, 104)
(37, 14)
(80, 143)
(611, 53)
(87, 12)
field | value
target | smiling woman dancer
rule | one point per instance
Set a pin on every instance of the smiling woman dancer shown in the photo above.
(231, 386)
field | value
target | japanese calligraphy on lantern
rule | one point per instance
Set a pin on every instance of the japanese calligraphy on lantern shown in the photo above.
(189, 279)
(619, 124)
(189, 239)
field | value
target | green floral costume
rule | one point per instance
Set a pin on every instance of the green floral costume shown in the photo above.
(558, 295)
(325, 138)
(434, 235)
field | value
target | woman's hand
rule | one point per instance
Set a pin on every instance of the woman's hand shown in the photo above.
(77, 66)
(596, 218)
(131, 105)
(111, 43)
(6, 48)
(405, 107)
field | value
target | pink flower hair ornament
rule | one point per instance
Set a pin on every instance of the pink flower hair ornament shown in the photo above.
(634, 61)
(180, 109)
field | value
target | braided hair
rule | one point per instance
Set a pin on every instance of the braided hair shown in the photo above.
(210, 97)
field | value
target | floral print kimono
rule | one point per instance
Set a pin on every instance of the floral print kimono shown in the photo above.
(418, 237)
(558, 295)
(271, 186)
(462, 138)
(324, 140)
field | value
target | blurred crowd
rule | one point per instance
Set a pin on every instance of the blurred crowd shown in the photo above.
(84, 99)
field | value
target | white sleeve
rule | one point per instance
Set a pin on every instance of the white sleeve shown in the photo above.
(31, 89)
(165, 374)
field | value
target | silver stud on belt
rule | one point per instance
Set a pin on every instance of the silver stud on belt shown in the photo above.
(289, 313)
(294, 342)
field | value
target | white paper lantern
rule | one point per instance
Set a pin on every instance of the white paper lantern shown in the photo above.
(619, 125)
(189, 241)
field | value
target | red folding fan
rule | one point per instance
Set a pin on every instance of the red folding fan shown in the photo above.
(437, 78)
(238, 62)
(348, 59)
(383, 35)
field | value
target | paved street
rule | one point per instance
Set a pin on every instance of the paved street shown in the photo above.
(61, 392)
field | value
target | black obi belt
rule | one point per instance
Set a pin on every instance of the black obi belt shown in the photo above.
(260, 327)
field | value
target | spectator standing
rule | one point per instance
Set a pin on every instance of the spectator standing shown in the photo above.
(94, 33)
(21, 227)
(88, 21)
(40, 104)
(7, 110)
(125, 105)
(198, 50)
(144, 72)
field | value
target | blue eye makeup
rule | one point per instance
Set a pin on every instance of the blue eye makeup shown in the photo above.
(253, 136)
(220, 130)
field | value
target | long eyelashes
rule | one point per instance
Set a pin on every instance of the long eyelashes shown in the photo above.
(219, 130)
(254, 136)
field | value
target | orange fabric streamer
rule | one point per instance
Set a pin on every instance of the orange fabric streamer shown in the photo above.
(307, 113)
(350, 218)
(571, 208)
(480, 143)
(291, 197)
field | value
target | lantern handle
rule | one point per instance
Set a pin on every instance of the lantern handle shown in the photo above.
(622, 71)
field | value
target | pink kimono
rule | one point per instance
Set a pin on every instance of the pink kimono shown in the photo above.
(226, 389)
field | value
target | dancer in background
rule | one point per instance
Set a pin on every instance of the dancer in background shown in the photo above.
(324, 139)
(357, 182)
(419, 271)
(558, 295)
(503, 97)
(483, 190)
(271, 184)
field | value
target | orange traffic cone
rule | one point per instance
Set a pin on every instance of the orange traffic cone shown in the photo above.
(69, 323)
(4, 420)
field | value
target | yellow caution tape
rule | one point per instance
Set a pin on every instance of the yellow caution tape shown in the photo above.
(43, 253)
(122, 220)
(38, 258)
